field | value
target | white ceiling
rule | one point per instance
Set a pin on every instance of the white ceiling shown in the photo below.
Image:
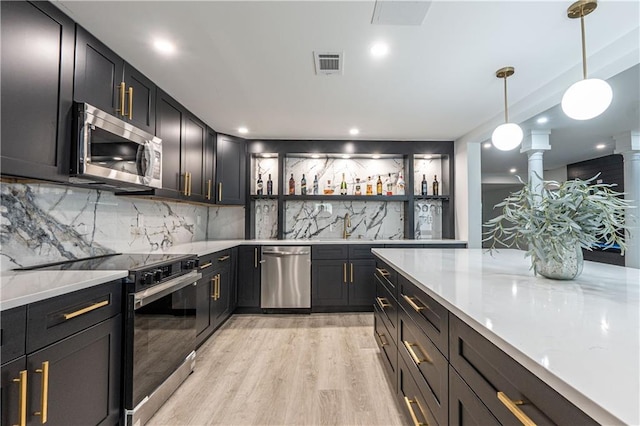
(241, 63)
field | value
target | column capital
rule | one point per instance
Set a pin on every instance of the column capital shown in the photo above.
(536, 140)
(627, 142)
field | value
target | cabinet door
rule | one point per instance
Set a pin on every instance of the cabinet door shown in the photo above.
(465, 408)
(209, 179)
(83, 377)
(193, 148)
(329, 283)
(362, 285)
(230, 170)
(170, 118)
(98, 74)
(13, 325)
(10, 391)
(204, 292)
(37, 90)
(143, 111)
(249, 277)
(222, 308)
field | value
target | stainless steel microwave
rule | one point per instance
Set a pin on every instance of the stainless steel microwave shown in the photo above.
(111, 154)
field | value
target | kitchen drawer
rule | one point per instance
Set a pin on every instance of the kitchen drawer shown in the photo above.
(488, 371)
(387, 276)
(388, 307)
(388, 350)
(430, 316)
(411, 398)
(361, 251)
(13, 332)
(329, 252)
(213, 261)
(430, 369)
(465, 408)
(54, 319)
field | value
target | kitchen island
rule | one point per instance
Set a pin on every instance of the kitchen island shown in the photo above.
(580, 337)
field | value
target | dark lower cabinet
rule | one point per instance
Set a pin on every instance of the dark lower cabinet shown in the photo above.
(14, 379)
(362, 289)
(465, 408)
(248, 287)
(37, 90)
(329, 283)
(204, 296)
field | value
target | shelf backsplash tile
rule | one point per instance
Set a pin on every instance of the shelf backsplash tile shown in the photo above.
(428, 219)
(429, 168)
(266, 219)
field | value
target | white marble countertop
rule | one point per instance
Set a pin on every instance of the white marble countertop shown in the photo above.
(581, 337)
(18, 288)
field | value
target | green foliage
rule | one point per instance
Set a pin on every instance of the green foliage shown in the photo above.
(576, 212)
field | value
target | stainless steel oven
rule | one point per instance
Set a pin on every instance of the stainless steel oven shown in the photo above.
(112, 154)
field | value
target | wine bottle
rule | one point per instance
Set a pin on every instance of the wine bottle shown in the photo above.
(259, 185)
(389, 186)
(369, 186)
(379, 186)
(315, 185)
(343, 186)
(400, 184)
(435, 185)
(358, 190)
(292, 185)
(303, 185)
(269, 186)
(424, 185)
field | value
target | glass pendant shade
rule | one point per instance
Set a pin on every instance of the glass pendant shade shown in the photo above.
(587, 99)
(507, 136)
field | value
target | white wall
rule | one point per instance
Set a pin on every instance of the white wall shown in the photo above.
(559, 174)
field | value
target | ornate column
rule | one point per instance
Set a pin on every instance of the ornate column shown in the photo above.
(628, 144)
(535, 143)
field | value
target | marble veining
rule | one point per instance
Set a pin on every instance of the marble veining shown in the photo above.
(429, 168)
(266, 219)
(264, 167)
(428, 220)
(325, 220)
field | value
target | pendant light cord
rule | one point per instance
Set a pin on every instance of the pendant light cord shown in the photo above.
(584, 47)
(506, 113)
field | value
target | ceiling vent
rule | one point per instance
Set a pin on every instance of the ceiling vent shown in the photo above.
(328, 62)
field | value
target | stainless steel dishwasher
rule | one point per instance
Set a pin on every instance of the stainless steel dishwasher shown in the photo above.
(286, 277)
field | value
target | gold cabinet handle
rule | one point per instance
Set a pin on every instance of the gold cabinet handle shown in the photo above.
(219, 191)
(344, 272)
(255, 257)
(412, 303)
(208, 189)
(415, 356)
(122, 88)
(213, 287)
(87, 309)
(351, 273)
(383, 272)
(381, 303)
(186, 182)
(22, 397)
(190, 183)
(515, 410)
(44, 409)
(206, 265)
(382, 342)
(130, 102)
(223, 258)
(414, 419)
(218, 287)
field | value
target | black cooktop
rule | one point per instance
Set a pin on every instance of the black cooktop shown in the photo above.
(118, 261)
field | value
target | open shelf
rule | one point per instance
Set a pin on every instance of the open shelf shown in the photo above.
(338, 197)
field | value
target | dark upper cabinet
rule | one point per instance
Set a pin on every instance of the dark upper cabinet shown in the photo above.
(230, 170)
(37, 90)
(193, 149)
(104, 80)
(209, 157)
(170, 119)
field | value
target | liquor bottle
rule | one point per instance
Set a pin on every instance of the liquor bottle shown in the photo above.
(435, 185)
(292, 185)
(389, 186)
(328, 190)
(424, 185)
(369, 186)
(358, 190)
(379, 186)
(343, 186)
(303, 185)
(315, 185)
(269, 185)
(259, 185)
(400, 184)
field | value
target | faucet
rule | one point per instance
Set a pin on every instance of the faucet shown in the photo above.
(346, 224)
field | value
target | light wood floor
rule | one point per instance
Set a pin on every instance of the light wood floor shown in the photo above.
(319, 369)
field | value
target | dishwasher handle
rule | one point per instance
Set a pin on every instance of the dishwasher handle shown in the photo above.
(285, 253)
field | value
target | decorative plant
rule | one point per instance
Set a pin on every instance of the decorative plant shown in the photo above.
(558, 218)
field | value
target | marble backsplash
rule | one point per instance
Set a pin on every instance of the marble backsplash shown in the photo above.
(266, 219)
(46, 223)
(428, 220)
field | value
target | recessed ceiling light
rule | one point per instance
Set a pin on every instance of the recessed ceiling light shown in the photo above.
(315, 156)
(379, 50)
(243, 130)
(346, 157)
(266, 155)
(354, 131)
(427, 157)
(542, 120)
(164, 46)
(375, 156)
(513, 170)
(117, 158)
(487, 144)
(601, 146)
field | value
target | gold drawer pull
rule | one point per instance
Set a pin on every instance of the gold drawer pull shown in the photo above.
(208, 189)
(45, 393)
(515, 410)
(22, 397)
(351, 273)
(344, 272)
(412, 303)
(381, 303)
(415, 356)
(218, 287)
(412, 413)
(223, 258)
(123, 87)
(220, 191)
(130, 103)
(255, 257)
(206, 265)
(213, 287)
(87, 309)
(382, 342)
(383, 272)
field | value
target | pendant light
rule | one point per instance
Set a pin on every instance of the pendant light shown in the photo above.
(506, 136)
(590, 97)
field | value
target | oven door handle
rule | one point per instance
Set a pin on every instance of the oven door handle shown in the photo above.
(152, 294)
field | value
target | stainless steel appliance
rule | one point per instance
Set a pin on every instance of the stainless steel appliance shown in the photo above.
(159, 328)
(285, 277)
(111, 154)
